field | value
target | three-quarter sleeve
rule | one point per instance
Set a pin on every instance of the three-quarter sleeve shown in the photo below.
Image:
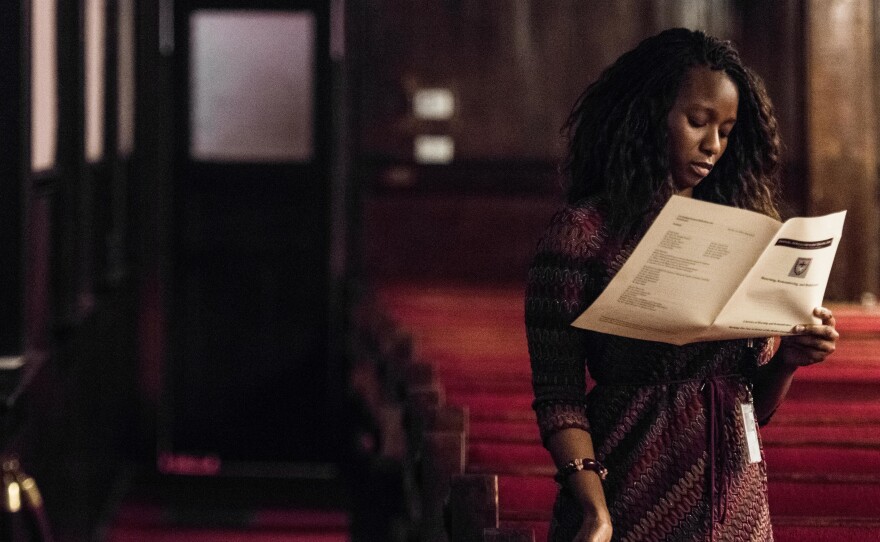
(561, 284)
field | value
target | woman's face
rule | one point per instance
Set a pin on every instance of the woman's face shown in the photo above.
(699, 124)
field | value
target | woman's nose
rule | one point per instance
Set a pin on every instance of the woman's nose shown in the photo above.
(711, 143)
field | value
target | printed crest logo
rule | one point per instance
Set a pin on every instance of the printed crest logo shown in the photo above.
(799, 269)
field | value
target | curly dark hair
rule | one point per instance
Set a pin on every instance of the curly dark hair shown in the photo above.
(617, 132)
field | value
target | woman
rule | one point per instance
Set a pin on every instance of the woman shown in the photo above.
(678, 114)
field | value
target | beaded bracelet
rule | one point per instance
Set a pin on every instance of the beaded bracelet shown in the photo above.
(581, 464)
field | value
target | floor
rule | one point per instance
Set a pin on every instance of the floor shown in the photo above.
(157, 508)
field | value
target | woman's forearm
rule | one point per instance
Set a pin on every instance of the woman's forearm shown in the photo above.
(771, 386)
(585, 485)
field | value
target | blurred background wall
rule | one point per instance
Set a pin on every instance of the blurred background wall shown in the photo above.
(514, 69)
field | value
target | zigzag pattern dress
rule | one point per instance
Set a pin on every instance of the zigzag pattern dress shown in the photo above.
(665, 420)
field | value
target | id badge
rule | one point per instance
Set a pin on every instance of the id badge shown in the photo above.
(751, 430)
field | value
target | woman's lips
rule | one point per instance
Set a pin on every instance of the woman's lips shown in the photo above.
(701, 168)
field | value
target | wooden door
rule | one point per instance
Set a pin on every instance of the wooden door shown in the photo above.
(248, 380)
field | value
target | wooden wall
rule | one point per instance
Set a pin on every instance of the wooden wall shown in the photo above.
(70, 411)
(515, 69)
(841, 63)
(11, 192)
(779, 27)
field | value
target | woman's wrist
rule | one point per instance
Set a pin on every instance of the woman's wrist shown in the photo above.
(779, 364)
(586, 487)
(579, 464)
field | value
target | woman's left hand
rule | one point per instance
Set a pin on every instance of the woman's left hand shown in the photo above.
(811, 343)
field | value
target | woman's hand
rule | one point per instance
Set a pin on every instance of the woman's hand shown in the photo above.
(812, 343)
(596, 527)
(584, 486)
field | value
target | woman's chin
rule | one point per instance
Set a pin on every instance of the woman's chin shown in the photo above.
(685, 186)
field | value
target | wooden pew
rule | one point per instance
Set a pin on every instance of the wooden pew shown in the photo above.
(474, 512)
(506, 490)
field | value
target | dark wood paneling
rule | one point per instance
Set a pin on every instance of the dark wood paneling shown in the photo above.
(515, 69)
(841, 137)
(12, 126)
(70, 417)
(437, 238)
(67, 236)
(779, 27)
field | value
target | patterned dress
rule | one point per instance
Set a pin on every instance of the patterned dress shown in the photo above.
(666, 420)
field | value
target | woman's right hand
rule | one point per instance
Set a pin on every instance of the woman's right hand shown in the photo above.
(584, 486)
(596, 527)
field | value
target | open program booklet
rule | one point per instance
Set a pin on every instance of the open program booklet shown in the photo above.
(707, 272)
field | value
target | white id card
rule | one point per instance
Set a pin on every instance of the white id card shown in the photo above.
(751, 429)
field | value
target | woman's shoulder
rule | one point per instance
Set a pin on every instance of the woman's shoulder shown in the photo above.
(577, 226)
(588, 214)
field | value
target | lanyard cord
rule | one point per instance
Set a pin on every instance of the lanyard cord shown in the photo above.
(719, 481)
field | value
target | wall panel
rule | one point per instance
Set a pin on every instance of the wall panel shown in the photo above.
(841, 136)
(514, 69)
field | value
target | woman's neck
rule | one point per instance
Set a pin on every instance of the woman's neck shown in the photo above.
(687, 192)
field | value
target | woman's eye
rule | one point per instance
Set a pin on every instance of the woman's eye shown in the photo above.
(696, 123)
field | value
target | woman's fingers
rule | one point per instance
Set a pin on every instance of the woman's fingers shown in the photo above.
(826, 315)
(812, 343)
(807, 353)
(825, 330)
(822, 332)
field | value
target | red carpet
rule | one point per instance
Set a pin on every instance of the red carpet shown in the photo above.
(474, 338)
(219, 535)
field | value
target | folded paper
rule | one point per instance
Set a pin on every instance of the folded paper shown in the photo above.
(705, 271)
